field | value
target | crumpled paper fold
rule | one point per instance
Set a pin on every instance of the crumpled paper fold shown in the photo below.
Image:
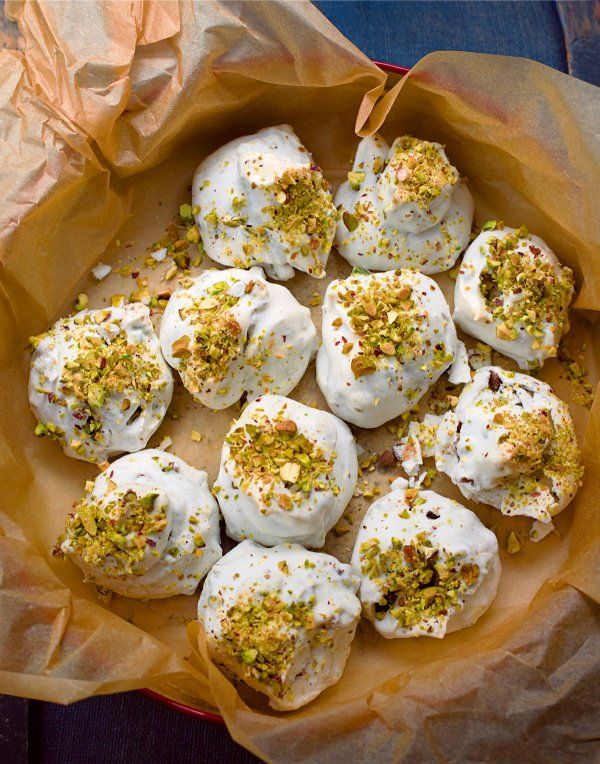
(104, 119)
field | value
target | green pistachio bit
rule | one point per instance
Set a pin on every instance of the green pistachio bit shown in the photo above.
(417, 585)
(82, 301)
(212, 218)
(562, 462)
(490, 225)
(513, 545)
(35, 341)
(358, 271)
(49, 430)
(185, 212)
(249, 656)
(193, 234)
(259, 635)
(355, 179)
(350, 221)
(522, 232)
(270, 452)
(362, 365)
(118, 530)
(96, 395)
(181, 259)
(386, 318)
(543, 295)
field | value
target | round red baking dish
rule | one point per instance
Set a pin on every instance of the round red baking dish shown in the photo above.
(183, 708)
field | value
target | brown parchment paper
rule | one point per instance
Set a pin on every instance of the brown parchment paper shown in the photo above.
(104, 119)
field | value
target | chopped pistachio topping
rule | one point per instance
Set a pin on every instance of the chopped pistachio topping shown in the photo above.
(82, 301)
(271, 452)
(546, 453)
(110, 365)
(417, 583)
(577, 374)
(181, 233)
(513, 543)
(355, 179)
(527, 436)
(118, 529)
(49, 430)
(260, 634)
(304, 212)
(563, 460)
(521, 288)
(386, 318)
(350, 220)
(421, 172)
(216, 338)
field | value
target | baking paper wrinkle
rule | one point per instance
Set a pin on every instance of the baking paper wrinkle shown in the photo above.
(110, 111)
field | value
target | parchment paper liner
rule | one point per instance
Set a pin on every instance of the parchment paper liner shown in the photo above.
(105, 119)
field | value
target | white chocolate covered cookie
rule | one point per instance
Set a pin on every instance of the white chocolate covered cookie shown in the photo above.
(387, 337)
(281, 619)
(428, 566)
(287, 473)
(403, 206)
(261, 200)
(147, 527)
(98, 382)
(510, 442)
(232, 332)
(512, 293)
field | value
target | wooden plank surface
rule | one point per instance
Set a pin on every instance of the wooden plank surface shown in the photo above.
(9, 32)
(581, 26)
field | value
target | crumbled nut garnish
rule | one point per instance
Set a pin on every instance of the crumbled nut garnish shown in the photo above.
(260, 634)
(106, 366)
(118, 530)
(196, 436)
(526, 437)
(421, 172)
(577, 374)
(342, 528)
(521, 288)
(355, 179)
(216, 338)
(417, 583)
(443, 396)
(286, 425)
(304, 212)
(181, 234)
(49, 430)
(181, 347)
(265, 454)
(386, 318)
(350, 221)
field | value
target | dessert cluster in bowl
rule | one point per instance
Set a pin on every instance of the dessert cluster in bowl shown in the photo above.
(276, 612)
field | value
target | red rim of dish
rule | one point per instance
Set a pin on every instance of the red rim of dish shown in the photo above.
(182, 708)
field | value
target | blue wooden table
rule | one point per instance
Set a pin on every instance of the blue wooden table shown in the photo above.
(129, 727)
